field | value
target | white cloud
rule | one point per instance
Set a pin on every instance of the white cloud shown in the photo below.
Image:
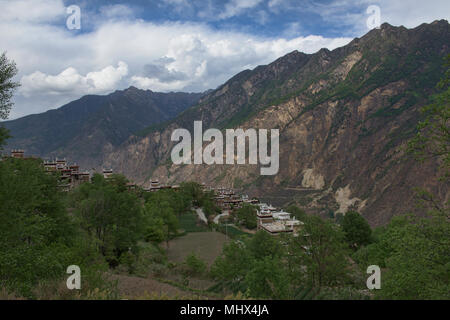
(57, 65)
(38, 11)
(70, 81)
(205, 60)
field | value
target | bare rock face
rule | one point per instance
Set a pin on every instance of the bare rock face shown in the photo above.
(344, 117)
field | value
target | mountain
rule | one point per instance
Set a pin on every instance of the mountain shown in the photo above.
(85, 129)
(344, 118)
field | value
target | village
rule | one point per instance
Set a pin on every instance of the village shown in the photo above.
(273, 220)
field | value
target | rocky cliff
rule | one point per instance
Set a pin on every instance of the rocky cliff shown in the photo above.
(344, 118)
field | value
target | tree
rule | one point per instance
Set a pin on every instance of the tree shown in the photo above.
(159, 208)
(247, 216)
(195, 265)
(154, 228)
(318, 256)
(268, 279)
(193, 191)
(232, 266)
(296, 212)
(263, 245)
(416, 255)
(7, 71)
(255, 266)
(357, 231)
(37, 237)
(111, 215)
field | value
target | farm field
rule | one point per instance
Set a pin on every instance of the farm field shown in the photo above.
(206, 245)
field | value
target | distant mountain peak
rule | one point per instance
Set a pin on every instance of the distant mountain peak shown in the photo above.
(132, 88)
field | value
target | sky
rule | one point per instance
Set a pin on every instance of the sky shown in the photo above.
(174, 45)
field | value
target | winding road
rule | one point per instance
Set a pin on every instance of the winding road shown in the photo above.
(224, 214)
(201, 215)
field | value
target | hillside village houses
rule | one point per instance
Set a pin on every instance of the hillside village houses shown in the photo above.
(269, 218)
(276, 221)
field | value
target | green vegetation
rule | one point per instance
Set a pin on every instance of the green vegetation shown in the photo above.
(356, 229)
(195, 265)
(189, 223)
(318, 255)
(199, 198)
(414, 252)
(231, 231)
(110, 215)
(247, 216)
(296, 212)
(7, 71)
(38, 238)
(100, 226)
(277, 267)
(433, 137)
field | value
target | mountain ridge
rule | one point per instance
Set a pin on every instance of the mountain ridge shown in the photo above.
(84, 129)
(344, 118)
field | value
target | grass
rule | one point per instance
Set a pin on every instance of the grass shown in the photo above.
(232, 231)
(189, 223)
(206, 246)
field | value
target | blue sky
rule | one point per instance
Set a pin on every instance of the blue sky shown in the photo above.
(174, 45)
(269, 18)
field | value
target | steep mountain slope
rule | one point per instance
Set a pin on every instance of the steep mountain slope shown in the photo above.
(87, 128)
(344, 118)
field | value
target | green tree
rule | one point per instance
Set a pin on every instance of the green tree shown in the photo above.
(7, 71)
(318, 256)
(255, 266)
(263, 245)
(192, 191)
(111, 215)
(357, 231)
(267, 279)
(232, 266)
(159, 208)
(154, 228)
(38, 240)
(247, 216)
(418, 263)
(195, 265)
(296, 212)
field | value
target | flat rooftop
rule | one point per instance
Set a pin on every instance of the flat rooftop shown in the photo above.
(275, 227)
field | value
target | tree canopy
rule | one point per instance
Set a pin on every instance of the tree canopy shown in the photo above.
(356, 229)
(8, 70)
